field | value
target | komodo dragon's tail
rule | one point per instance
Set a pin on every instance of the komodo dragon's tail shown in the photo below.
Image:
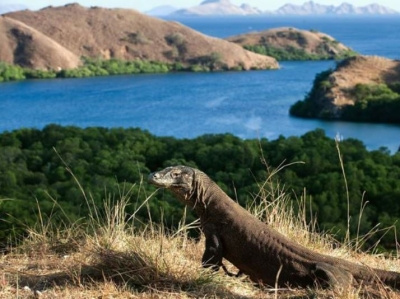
(389, 278)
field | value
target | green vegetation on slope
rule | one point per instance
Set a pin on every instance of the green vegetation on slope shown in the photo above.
(112, 161)
(327, 48)
(372, 102)
(90, 68)
(99, 67)
(312, 105)
(293, 53)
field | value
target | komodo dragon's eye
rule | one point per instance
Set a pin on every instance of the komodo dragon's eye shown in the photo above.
(175, 174)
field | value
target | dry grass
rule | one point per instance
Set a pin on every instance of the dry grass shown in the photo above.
(119, 260)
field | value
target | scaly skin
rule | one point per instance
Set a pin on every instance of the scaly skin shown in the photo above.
(257, 250)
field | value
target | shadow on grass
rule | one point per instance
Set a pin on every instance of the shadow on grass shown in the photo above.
(128, 271)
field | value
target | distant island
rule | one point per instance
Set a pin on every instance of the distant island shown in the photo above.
(52, 41)
(217, 7)
(226, 8)
(293, 44)
(362, 88)
(162, 10)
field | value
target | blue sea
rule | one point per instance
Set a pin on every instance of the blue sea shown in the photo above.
(251, 104)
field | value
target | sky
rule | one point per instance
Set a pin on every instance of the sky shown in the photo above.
(145, 5)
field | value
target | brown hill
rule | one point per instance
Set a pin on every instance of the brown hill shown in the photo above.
(127, 34)
(25, 46)
(360, 70)
(285, 38)
(336, 94)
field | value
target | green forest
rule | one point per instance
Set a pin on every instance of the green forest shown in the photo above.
(48, 166)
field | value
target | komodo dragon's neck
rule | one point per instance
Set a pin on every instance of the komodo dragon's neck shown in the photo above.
(205, 192)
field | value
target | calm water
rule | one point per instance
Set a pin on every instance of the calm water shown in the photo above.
(247, 104)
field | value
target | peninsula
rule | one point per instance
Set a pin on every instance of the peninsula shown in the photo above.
(293, 44)
(362, 88)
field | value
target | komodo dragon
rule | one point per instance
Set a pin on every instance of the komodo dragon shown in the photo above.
(257, 250)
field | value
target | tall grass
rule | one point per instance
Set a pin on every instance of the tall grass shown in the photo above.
(111, 248)
(111, 253)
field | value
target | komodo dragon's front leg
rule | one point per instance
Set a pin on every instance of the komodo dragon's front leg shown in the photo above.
(213, 253)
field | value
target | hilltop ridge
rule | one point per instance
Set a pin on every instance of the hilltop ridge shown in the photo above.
(26, 46)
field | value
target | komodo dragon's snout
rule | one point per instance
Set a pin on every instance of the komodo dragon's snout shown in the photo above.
(256, 249)
(178, 179)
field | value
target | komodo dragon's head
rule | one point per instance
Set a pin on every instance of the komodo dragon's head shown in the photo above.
(179, 179)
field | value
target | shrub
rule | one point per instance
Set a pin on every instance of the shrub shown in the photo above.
(137, 38)
(308, 107)
(178, 42)
(11, 72)
(376, 103)
(209, 62)
(39, 74)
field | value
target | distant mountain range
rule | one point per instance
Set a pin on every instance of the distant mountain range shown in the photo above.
(225, 7)
(218, 7)
(162, 10)
(312, 8)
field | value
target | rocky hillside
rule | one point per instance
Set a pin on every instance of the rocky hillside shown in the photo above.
(293, 44)
(73, 31)
(23, 45)
(356, 83)
(361, 70)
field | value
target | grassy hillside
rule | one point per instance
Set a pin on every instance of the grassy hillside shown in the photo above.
(111, 254)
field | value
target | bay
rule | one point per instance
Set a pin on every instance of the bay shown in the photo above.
(250, 104)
